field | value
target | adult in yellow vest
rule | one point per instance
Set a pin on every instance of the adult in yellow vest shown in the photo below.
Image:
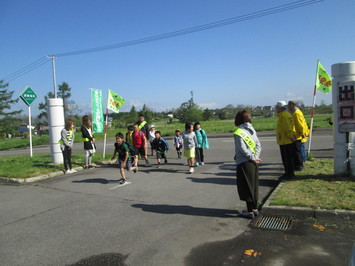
(89, 141)
(301, 135)
(247, 152)
(285, 137)
(66, 144)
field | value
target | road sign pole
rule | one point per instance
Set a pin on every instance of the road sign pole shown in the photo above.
(30, 129)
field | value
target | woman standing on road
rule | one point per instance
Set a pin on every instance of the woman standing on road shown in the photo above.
(247, 152)
(66, 144)
(89, 141)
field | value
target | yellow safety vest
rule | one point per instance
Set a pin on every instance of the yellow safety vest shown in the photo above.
(247, 139)
(142, 125)
(68, 137)
(87, 139)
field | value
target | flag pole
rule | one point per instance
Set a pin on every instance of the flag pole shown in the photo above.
(313, 107)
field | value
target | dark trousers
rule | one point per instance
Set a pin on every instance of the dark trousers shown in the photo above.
(199, 155)
(248, 184)
(297, 155)
(67, 158)
(287, 151)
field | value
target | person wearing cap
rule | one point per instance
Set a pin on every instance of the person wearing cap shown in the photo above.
(285, 138)
(151, 137)
(301, 135)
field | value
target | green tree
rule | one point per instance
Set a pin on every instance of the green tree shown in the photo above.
(8, 120)
(43, 115)
(133, 115)
(207, 114)
(189, 112)
(147, 112)
(70, 107)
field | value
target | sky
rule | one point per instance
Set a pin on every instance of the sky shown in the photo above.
(254, 62)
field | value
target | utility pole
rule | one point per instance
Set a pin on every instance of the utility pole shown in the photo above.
(54, 76)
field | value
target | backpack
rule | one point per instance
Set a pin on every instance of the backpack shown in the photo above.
(130, 147)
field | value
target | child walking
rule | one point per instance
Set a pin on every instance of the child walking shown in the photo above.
(89, 141)
(66, 144)
(151, 137)
(178, 142)
(190, 143)
(140, 145)
(202, 143)
(124, 157)
(161, 147)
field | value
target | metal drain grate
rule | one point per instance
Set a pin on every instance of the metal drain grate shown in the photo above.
(273, 222)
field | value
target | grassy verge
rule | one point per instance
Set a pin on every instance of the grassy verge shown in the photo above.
(166, 129)
(317, 187)
(22, 166)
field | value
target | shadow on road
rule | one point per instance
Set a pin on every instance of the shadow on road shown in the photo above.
(186, 210)
(214, 180)
(95, 181)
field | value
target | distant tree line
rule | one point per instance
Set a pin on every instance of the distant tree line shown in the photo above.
(188, 111)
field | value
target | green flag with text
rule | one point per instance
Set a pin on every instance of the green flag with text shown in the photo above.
(97, 111)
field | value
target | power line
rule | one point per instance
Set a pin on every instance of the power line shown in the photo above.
(250, 16)
(26, 69)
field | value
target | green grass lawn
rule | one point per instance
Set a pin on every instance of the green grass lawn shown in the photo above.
(317, 187)
(166, 129)
(23, 166)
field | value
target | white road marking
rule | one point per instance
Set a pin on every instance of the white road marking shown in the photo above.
(121, 185)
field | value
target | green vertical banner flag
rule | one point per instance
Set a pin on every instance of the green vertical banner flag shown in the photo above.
(114, 101)
(323, 80)
(97, 111)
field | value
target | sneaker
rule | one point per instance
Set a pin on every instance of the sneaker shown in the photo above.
(247, 215)
(196, 164)
(158, 166)
(191, 170)
(91, 167)
(123, 181)
(147, 164)
(73, 171)
(135, 169)
(165, 161)
(202, 163)
(67, 172)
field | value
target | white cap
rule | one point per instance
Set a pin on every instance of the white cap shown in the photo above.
(151, 126)
(281, 104)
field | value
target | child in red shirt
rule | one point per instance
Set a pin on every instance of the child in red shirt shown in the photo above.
(140, 145)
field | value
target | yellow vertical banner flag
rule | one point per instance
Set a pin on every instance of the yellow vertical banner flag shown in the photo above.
(114, 101)
(323, 80)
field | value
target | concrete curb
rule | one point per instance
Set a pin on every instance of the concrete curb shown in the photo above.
(302, 212)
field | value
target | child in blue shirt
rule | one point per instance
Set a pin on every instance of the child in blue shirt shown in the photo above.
(161, 147)
(202, 143)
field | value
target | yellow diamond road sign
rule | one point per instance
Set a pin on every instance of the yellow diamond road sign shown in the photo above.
(28, 96)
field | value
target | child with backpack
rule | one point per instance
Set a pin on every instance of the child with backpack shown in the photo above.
(202, 143)
(161, 147)
(140, 144)
(178, 143)
(124, 150)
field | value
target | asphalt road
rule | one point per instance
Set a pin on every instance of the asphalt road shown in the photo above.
(162, 218)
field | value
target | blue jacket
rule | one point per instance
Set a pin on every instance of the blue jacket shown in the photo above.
(202, 139)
